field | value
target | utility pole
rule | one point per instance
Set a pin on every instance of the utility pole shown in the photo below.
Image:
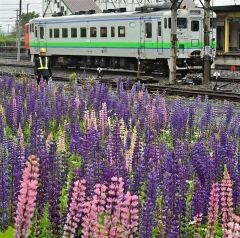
(27, 8)
(173, 58)
(19, 30)
(207, 57)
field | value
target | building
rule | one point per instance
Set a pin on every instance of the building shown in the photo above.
(228, 35)
(68, 7)
(132, 4)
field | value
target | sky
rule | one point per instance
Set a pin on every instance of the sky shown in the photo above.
(8, 10)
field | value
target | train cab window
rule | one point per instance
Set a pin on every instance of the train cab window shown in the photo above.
(159, 28)
(148, 29)
(41, 32)
(103, 31)
(36, 33)
(83, 32)
(182, 22)
(121, 31)
(112, 31)
(165, 23)
(64, 32)
(169, 23)
(56, 33)
(194, 25)
(93, 32)
(73, 32)
(50, 33)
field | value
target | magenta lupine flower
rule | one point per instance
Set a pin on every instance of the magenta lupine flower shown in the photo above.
(226, 199)
(130, 214)
(76, 208)
(27, 197)
(213, 210)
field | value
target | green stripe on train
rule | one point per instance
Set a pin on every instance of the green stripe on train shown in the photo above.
(133, 45)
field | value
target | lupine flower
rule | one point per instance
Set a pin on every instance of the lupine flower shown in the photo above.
(27, 198)
(232, 229)
(226, 199)
(213, 210)
(76, 209)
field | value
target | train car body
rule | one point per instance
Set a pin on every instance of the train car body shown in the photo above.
(26, 37)
(121, 40)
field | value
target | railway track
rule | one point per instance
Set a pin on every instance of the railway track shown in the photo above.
(167, 89)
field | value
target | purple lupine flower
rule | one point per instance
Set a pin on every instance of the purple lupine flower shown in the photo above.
(5, 186)
(148, 213)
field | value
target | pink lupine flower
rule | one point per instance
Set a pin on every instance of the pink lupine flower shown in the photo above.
(90, 219)
(27, 197)
(61, 146)
(232, 229)
(93, 120)
(213, 210)
(130, 214)
(197, 220)
(86, 119)
(226, 199)
(103, 116)
(76, 209)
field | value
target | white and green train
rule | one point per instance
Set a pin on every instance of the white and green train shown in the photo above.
(122, 39)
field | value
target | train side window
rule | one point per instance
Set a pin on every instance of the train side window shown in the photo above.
(73, 32)
(121, 31)
(36, 33)
(182, 22)
(159, 28)
(56, 33)
(30, 27)
(148, 29)
(165, 23)
(93, 32)
(194, 25)
(213, 23)
(83, 32)
(50, 33)
(112, 31)
(103, 31)
(41, 32)
(64, 32)
(169, 23)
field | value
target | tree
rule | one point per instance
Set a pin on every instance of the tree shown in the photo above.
(26, 17)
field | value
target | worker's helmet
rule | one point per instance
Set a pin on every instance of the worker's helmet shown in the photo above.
(43, 50)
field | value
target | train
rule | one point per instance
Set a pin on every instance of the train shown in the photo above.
(119, 39)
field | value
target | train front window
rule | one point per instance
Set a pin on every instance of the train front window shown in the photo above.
(36, 34)
(41, 32)
(194, 25)
(148, 29)
(182, 22)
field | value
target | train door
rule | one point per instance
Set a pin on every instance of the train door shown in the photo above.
(41, 36)
(182, 34)
(148, 39)
(159, 37)
(196, 36)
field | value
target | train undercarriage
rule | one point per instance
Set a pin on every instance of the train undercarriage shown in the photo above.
(147, 66)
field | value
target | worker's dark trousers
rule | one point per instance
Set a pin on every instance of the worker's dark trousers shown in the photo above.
(39, 76)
